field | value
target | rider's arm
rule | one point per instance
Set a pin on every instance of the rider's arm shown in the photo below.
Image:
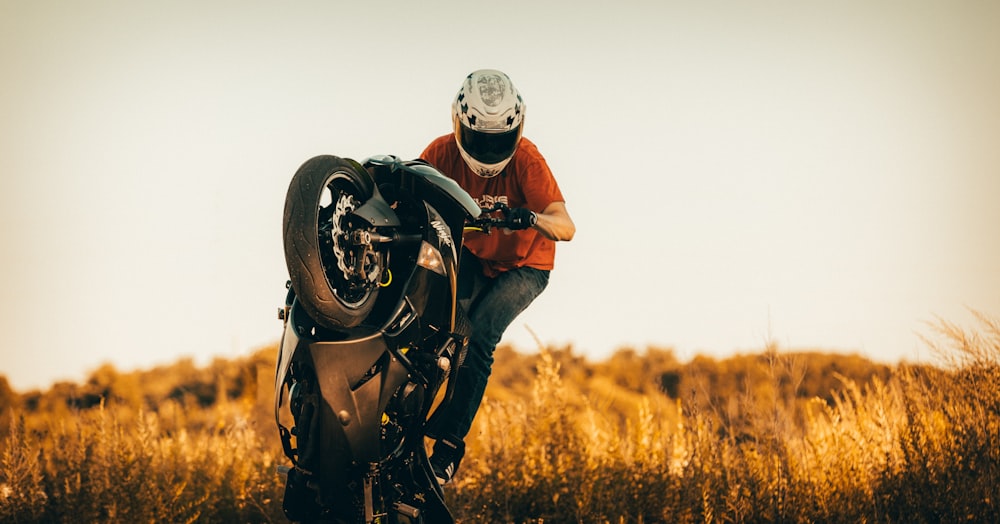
(555, 223)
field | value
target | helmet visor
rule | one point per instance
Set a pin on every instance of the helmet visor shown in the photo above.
(489, 148)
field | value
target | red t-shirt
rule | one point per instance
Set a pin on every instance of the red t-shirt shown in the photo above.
(526, 182)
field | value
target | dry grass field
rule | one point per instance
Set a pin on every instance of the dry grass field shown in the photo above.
(640, 438)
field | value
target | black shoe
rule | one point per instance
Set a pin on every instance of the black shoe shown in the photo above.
(445, 459)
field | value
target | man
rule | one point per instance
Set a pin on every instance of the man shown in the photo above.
(503, 272)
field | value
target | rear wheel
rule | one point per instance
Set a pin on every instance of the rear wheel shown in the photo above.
(335, 279)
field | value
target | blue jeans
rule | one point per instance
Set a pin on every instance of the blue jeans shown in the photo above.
(491, 305)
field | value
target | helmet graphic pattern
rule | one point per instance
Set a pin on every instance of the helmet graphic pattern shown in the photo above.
(488, 101)
(489, 114)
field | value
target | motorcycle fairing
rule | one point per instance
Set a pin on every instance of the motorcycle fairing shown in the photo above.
(356, 378)
(409, 173)
(355, 404)
(444, 186)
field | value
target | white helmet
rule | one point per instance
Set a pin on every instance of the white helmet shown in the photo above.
(488, 119)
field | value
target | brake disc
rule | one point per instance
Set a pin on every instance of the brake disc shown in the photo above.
(345, 204)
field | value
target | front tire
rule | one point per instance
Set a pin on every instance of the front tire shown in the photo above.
(322, 264)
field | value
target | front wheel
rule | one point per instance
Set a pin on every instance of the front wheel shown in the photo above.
(335, 279)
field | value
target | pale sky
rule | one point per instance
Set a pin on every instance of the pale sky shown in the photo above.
(822, 177)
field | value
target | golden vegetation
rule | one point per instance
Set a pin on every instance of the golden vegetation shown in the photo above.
(638, 438)
(172, 444)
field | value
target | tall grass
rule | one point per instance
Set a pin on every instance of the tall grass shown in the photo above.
(920, 446)
(923, 446)
(91, 467)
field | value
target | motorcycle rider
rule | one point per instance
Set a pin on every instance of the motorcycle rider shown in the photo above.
(503, 272)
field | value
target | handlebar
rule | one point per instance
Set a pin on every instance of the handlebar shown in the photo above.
(486, 221)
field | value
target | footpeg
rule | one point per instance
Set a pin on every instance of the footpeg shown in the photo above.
(407, 510)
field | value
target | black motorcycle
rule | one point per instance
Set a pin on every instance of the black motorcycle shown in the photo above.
(372, 338)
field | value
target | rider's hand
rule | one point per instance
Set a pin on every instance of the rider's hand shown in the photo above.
(521, 218)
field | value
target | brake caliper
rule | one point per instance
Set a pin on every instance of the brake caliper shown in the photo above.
(356, 258)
